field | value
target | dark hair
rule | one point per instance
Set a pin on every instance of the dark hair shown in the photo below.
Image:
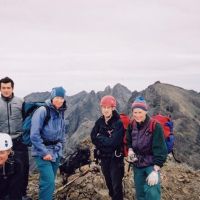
(7, 80)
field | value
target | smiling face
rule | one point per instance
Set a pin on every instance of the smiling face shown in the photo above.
(107, 111)
(4, 156)
(139, 115)
(58, 102)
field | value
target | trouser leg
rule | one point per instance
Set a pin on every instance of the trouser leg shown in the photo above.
(152, 192)
(117, 174)
(23, 158)
(143, 190)
(105, 167)
(140, 181)
(47, 179)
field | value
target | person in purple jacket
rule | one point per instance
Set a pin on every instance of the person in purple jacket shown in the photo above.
(147, 151)
(48, 141)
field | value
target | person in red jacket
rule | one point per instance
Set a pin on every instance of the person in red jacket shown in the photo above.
(107, 136)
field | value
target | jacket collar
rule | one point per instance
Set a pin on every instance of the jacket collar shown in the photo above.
(7, 98)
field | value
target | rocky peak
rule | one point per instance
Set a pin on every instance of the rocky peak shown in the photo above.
(183, 105)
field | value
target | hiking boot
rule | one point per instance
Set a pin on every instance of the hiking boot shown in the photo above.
(26, 198)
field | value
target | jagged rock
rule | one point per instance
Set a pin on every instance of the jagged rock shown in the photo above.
(92, 184)
(177, 180)
(183, 105)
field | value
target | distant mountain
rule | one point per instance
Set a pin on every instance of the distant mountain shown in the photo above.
(183, 105)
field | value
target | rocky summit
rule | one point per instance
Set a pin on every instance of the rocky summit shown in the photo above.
(179, 181)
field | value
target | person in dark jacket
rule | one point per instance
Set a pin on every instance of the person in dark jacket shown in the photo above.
(107, 136)
(147, 151)
(11, 123)
(9, 168)
(48, 141)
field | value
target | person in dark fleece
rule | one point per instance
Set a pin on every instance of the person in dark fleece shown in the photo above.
(107, 136)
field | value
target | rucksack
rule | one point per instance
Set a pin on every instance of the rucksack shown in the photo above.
(167, 126)
(28, 108)
(76, 160)
(125, 120)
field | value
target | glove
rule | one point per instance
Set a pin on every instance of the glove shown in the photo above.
(131, 155)
(152, 179)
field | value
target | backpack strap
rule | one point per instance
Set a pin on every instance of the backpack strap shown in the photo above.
(48, 116)
(152, 125)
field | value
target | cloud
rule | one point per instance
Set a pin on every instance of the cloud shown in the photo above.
(86, 45)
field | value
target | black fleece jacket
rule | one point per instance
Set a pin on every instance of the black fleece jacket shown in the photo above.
(108, 137)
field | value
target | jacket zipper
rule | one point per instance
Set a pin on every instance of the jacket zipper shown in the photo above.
(8, 117)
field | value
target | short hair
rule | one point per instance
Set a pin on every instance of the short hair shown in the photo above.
(7, 80)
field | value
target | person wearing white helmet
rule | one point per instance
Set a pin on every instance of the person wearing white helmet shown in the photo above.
(9, 178)
(5, 147)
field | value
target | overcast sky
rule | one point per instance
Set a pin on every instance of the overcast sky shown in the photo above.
(89, 44)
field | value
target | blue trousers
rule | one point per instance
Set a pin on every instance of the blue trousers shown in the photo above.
(47, 170)
(143, 190)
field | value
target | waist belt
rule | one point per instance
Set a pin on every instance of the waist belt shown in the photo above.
(49, 143)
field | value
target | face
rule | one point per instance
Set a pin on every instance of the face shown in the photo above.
(139, 115)
(6, 89)
(58, 102)
(4, 156)
(107, 111)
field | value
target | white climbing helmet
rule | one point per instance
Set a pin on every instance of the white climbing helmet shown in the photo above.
(5, 141)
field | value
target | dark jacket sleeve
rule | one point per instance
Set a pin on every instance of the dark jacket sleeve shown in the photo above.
(128, 136)
(159, 147)
(94, 133)
(116, 138)
(104, 143)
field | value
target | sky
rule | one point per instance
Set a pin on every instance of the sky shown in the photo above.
(90, 44)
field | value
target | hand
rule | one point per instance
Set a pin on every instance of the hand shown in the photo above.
(47, 157)
(131, 155)
(156, 168)
(152, 179)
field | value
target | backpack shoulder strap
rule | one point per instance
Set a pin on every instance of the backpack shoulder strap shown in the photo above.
(48, 116)
(152, 125)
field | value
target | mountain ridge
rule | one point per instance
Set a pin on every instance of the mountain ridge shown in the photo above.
(183, 105)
